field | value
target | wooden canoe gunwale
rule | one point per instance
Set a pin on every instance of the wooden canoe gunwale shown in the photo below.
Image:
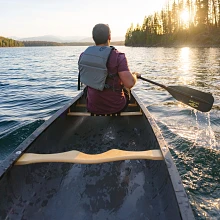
(181, 196)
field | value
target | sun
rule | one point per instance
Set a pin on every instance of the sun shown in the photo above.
(184, 15)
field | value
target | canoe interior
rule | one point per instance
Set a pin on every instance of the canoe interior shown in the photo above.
(131, 189)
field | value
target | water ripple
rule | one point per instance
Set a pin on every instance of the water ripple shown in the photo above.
(37, 81)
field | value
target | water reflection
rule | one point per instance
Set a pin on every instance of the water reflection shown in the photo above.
(187, 76)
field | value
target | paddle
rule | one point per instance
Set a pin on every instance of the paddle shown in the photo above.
(82, 158)
(196, 99)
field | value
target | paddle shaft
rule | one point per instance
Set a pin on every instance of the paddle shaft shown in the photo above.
(155, 83)
(82, 158)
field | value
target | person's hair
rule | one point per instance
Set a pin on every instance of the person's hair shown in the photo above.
(100, 33)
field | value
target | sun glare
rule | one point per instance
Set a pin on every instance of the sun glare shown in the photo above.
(184, 15)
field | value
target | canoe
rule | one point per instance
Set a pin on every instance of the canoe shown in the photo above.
(127, 188)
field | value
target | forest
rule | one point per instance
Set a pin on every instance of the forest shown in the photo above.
(179, 23)
(7, 42)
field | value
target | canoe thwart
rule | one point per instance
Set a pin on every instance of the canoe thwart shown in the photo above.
(84, 105)
(82, 158)
(90, 114)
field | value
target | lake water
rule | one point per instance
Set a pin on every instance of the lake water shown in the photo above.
(36, 82)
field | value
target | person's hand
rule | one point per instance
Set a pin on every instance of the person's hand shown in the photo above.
(136, 74)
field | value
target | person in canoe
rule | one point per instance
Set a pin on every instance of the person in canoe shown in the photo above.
(105, 72)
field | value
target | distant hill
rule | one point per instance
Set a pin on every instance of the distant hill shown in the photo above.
(52, 38)
(87, 39)
(65, 39)
(114, 39)
(42, 38)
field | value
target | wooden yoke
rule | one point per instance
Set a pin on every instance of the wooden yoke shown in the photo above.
(82, 158)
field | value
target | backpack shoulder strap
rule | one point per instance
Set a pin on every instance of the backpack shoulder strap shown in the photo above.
(78, 87)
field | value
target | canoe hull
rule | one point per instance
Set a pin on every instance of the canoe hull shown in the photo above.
(131, 189)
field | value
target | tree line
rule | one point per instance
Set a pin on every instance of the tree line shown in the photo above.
(49, 43)
(191, 22)
(7, 42)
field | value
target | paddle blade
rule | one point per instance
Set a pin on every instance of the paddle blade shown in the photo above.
(196, 99)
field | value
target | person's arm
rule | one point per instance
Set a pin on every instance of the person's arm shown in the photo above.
(128, 79)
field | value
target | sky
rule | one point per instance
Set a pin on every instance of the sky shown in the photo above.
(30, 18)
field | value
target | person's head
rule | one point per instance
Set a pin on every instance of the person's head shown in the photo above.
(101, 34)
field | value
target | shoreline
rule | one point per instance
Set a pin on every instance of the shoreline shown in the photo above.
(178, 46)
(113, 44)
